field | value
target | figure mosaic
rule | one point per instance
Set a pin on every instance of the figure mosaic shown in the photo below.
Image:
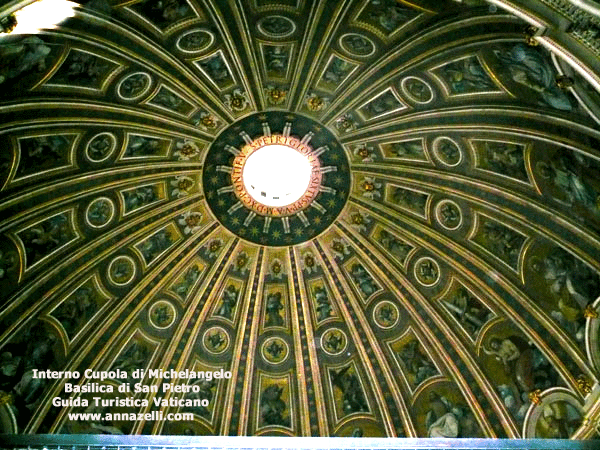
(363, 279)
(337, 71)
(277, 58)
(217, 340)
(574, 180)
(184, 285)
(573, 286)
(468, 311)
(386, 314)
(34, 349)
(143, 146)
(82, 69)
(396, 247)
(446, 419)
(589, 94)
(76, 311)
(139, 197)
(9, 263)
(169, 100)
(228, 302)
(135, 356)
(353, 397)
(216, 69)
(407, 149)
(505, 158)
(416, 363)
(121, 270)
(427, 271)
(162, 314)
(418, 90)
(156, 244)
(334, 341)
(357, 45)
(22, 56)
(388, 14)
(382, 104)
(273, 310)
(100, 147)
(502, 241)
(100, 212)
(195, 41)
(275, 350)
(277, 25)
(529, 67)
(206, 391)
(467, 76)
(559, 420)
(43, 238)
(447, 151)
(134, 85)
(525, 368)
(163, 13)
(411, 200)
(449, 215)
(43, 153)
(272, 407)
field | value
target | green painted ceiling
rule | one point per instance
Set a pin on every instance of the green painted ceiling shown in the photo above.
(450, 287)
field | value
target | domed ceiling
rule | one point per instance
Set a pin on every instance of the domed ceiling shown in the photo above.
(442, 281)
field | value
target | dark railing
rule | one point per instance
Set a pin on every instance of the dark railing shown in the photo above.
(111, 442)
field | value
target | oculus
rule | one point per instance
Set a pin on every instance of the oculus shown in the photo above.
(276, 26)
(276, 175)
(276, 179)
(42, 15)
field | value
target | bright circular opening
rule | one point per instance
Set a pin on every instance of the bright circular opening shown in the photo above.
(276, 175)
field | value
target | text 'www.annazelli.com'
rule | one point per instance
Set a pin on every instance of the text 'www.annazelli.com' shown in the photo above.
(153, 415)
